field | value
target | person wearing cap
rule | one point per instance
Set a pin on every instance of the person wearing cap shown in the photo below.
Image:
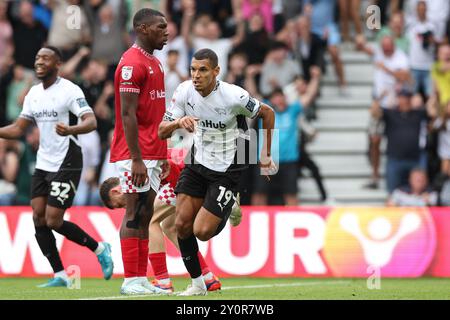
(403, 129)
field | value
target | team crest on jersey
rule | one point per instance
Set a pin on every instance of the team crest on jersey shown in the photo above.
(221, 111)
(150, 69)
(127, 72)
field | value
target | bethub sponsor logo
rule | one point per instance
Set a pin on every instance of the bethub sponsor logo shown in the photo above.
(45, 114)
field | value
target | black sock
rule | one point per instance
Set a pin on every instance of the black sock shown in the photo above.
(47, 243)
(74, 233)
(189, 250)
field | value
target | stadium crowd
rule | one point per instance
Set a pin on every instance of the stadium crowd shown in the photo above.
(276, 50)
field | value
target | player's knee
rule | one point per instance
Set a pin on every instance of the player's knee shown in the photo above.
(203, 233)
(39, 220)
(53, 222)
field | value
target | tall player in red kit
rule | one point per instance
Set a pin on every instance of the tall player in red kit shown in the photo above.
(139, 155)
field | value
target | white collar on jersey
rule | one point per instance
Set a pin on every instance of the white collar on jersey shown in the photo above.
(145, 53)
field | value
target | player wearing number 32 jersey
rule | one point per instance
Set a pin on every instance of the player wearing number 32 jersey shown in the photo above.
(56, 105)
(213, 111)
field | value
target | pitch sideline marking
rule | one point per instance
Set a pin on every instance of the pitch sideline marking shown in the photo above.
(295, 284)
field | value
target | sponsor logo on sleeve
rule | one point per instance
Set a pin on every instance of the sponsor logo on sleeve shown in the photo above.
(82, 103)
(251, 104)
(127, 72)
(168, 116)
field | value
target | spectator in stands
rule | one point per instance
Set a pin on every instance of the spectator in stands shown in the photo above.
(110, 38)
(305, 91)
(256, 42)
(321, 13)
(350, 9)
(88, 187)
(16, 92)
(421, 53)
(210, 38)
(307, 134)
(416, 194)
(9, 166)
(177, 42)
(440, 74)
(6, 76)
(285, 152)
(237, 69)
(62, 34)
(437, 13)
(309, 48)
(263, 8)
(28, 35)
(391, 70)
(403, 126)
(396, 30)
(278, 70)
(27, 156)
(442, 125)
(99, 93)
(6, 31)
(172, 75)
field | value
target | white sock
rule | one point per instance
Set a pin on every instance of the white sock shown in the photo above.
(164, 281)
(126, 281)
(99, 249)
(61, 274)
(199, 282)
(208, 276)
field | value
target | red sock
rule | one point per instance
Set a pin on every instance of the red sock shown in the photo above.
(159, 266)
(130, 256)
(143, 262)
(203, 265)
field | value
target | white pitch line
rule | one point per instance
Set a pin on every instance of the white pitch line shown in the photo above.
(295, 284)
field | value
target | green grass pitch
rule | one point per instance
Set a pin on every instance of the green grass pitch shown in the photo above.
(243, 289)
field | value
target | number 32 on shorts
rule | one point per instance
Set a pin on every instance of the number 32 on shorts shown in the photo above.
(60, 190)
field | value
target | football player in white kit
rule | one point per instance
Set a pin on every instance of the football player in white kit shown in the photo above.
(213, 111)
(56, 105)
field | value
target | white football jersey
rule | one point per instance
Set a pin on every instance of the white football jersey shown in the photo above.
(222, 113)
(62, 102)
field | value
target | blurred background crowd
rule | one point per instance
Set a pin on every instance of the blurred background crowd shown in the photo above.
(279, 51)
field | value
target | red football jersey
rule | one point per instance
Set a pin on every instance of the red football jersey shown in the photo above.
(142, 73)
(176, 162)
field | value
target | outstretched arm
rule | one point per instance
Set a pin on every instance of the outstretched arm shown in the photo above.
(16, 129)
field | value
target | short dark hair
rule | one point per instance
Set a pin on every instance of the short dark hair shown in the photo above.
(204, 54)
(275, 91)
(55, 50)
(145, 15)
(105, 188)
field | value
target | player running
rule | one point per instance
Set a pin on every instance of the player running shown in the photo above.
(55, 105)
(163, 223)
(139, 155)
(214, 111)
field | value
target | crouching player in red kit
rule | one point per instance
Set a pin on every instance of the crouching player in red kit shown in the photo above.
(163, 222)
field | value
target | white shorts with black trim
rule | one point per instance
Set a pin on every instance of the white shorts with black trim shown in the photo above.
(153, 170)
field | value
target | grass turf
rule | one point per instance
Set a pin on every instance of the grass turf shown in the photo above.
(243, 289)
